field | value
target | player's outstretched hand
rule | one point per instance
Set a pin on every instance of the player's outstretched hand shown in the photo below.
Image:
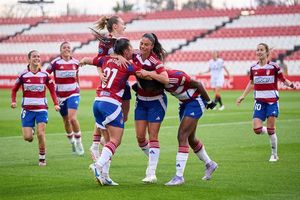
(57, 107)
(13, 105)
(210, 105)
(239, 100)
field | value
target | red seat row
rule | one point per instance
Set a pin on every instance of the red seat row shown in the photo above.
(226, 55)
(256, 32)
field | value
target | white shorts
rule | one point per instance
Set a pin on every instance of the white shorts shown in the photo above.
(217, 83)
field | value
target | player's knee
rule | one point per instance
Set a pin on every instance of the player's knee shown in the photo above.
(28, 138)
(258, 130)
(181, 137)
(271, 131)
(141, 140)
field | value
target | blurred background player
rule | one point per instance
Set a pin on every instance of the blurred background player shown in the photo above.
(264, 76)
(216, 66)
(151, 104)
(115, 27)
(34, 102)
(107, 106)
(65, 70)
(193, 100)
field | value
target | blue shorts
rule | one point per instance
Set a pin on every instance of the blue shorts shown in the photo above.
(264, 110)
(29, 118)
(69, 103)
(127, 92)
(193, 109)
(107, 113)
(151, 111)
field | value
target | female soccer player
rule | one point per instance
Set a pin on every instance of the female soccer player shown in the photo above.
(151, 105)
(264, 76)
(107, 106)
(65, 70)
(193, 99)
(34, 103)
(115, 27)
(216, 66)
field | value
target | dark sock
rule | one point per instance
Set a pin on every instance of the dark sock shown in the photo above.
(220, 101)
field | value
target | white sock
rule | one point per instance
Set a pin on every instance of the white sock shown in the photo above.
(264, 130)
(105, 169)
(106, 154)
(145, 149)
(77, 136)
(95, 145)
(70, 137)
(273, 142)
(202, 155)
(181, 159)
(153, 160)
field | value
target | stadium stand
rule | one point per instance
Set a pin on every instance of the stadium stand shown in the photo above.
(189, 37)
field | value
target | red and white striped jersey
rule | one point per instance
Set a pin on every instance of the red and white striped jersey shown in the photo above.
(152, 63)
(34, 90)
(117, 75)
(65, 77)
(179, 86)
(265, 79)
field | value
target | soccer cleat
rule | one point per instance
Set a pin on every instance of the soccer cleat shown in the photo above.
(109, 182)
(73, 147)
(274, 158)
(79, 148)
(95, 154)
(210, 168)
(42, 163)
(150, 179)
(222, 108)
(176, 180)
(97, 173)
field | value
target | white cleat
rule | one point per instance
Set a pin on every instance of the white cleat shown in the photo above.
(150, 179)
(95, 154)
(176, 180)
(73, 147)
(274, 158)
(42, 163)
(109, 182)
(97, 173)
(210, 168)
(79, 148)
(222, 108)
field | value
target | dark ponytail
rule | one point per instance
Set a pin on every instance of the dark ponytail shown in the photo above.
(159, 51)
(121, 45)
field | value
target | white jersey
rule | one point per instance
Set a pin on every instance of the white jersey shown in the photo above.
(216, 72)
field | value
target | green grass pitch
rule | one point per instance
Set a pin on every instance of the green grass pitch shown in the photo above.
(244, 171)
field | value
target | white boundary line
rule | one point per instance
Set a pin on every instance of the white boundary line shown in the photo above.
(167, 127)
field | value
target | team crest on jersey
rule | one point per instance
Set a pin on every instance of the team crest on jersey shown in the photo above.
(268, 72)
(61, 67)
(100, 50)
(74, 67)
(41, 80)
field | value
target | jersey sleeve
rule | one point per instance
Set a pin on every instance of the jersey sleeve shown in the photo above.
(279, 73)
(15, 89)
(51, 67)
(51, 86)
(159, 68)
(251, 74)
(132, 68)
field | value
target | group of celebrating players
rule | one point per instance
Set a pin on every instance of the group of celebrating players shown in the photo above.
(115, 62)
